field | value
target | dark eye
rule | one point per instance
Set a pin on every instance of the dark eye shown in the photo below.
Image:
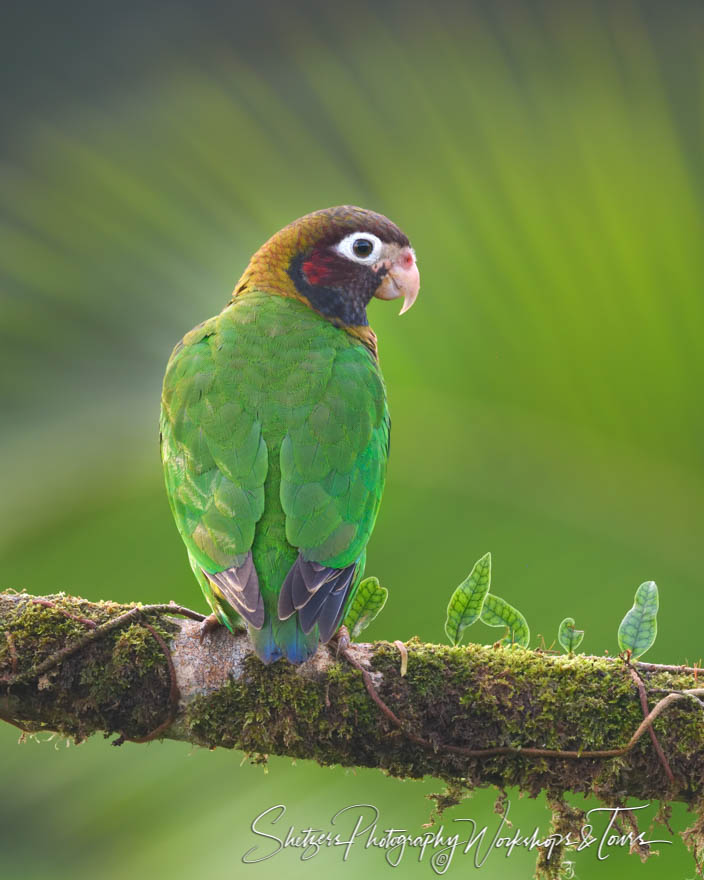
(362, 247)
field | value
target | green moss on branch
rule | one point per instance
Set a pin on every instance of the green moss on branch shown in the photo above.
(473, 697)
(116, 684)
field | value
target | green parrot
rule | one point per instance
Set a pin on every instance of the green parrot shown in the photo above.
(275, 429)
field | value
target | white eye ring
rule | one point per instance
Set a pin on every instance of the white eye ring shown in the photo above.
(347, 247)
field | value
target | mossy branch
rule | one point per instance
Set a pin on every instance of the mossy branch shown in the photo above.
(473, 715)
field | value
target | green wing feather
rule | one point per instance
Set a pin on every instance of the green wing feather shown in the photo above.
(215, 459)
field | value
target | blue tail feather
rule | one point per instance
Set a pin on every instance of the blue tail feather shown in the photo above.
(264, 643)
(284, 639)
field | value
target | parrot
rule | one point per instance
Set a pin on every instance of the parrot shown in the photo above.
(274, 430)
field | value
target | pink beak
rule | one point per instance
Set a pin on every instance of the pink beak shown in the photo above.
(402, 279)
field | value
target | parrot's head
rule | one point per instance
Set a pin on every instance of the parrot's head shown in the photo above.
(335, 261)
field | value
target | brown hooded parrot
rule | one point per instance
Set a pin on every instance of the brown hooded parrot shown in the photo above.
(275, 429)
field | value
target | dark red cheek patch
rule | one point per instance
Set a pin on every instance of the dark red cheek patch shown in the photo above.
(321, 269)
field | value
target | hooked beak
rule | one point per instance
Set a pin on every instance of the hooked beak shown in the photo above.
(402, 279)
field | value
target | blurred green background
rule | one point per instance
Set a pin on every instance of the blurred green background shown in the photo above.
(544, 158)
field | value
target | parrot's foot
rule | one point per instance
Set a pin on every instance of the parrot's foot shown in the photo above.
(341, 640)
(210, 623)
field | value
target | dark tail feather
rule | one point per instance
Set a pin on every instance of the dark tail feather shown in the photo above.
(325, 607)
(317, 592)
(331, 612)
(239, 585)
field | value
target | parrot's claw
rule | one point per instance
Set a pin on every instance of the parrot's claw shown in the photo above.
(342, 640)
(210, 623)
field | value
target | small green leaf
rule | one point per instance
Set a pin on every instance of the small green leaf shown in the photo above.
(466, 602)
(569, 637)
(368, 601)
(497, 612)
(640, 625)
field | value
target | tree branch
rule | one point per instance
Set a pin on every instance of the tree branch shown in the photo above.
(476, 715)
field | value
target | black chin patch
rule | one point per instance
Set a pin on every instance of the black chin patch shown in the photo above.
(344, 302)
